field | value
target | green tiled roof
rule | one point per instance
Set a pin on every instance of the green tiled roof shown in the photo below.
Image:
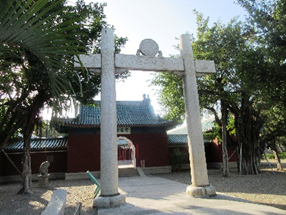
(129, 113)
(206, 126)
(48, 144)
(179, 139)
(38, 145)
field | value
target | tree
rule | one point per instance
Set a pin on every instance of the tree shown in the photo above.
(34, 48)
(228, 88)
(232, 90)
(267, 24)
(38, 40)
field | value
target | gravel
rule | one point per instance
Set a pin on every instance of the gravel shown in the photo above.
(266, 188)
(78, 191)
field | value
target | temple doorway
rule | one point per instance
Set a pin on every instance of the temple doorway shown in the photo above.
(126, 153)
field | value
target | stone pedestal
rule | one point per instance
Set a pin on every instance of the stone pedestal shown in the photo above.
(43, 181)
(200, 192)
(109, 201)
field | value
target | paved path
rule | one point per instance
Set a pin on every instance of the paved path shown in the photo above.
(154, 195)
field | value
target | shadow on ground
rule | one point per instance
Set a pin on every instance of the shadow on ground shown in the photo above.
(266, 188)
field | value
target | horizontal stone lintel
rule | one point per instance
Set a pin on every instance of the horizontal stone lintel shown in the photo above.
(145, 63)
(89, 61)
(204, 67)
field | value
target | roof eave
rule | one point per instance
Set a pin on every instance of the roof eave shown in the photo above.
(65, 127)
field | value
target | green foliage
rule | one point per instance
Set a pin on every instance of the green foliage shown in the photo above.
(267, 25)
(236, 57)
(213, 133)
(281, 156)
(231, 125)
(38, 41)
(243, 81)
(34, 38)
(171, 95)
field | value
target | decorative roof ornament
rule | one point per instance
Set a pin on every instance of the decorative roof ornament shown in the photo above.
(149, 47)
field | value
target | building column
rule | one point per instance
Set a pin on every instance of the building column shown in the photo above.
(108, 136)
(200, 186)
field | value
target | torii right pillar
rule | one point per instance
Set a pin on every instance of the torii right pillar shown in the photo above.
(200, 186)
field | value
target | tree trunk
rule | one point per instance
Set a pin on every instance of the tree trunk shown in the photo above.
(240, 159)
(280, 148)
(248, 127)
(274, 149)
(277, 159)
(27, 171)
(225, 168)
(28, 127)
(250, 163)
(26, 159)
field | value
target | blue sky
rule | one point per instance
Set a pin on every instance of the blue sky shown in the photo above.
(162, 21)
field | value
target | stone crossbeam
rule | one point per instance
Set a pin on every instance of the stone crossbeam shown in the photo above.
(145, 63)
(204, 67)
(90, 61)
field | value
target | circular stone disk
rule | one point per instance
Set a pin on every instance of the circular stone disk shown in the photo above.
(149, 47)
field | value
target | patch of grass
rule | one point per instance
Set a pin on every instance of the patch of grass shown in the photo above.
(281, 155)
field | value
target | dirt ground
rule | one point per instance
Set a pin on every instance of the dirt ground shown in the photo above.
(266, 188)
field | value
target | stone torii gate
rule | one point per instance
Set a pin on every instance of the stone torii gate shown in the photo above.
(108, 63)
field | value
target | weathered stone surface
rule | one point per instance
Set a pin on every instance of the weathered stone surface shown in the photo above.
(90, 61)
(108, 128)
(44, 169)
(109, 201)
(204, 67)
(57, 203)
(43, 182)
(145, 63)
(149, 47)
(201, 192)
(195, 135)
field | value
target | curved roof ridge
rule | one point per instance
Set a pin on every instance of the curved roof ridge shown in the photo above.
(129, 113)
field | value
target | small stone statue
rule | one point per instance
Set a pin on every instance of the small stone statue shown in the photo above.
(44, 169)
(44, 176)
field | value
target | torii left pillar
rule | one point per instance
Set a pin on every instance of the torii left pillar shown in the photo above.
(110, 196)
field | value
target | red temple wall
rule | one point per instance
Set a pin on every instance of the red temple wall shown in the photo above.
(84, 150)
(215, 152)
(58, 162)
(151, 148)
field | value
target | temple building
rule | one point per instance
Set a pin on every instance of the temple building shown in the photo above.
(142, 137)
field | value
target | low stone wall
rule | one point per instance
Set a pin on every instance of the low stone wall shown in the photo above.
(57, 203)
